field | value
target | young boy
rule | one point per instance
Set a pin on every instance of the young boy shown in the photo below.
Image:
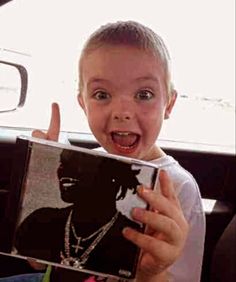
(126, 92)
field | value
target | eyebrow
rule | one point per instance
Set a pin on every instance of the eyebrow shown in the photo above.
(97, 80)
(150, 77)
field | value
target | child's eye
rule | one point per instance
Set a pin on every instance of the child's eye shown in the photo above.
(101, 95)
(144, 95)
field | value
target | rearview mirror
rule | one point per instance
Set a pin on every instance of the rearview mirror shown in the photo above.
(13, 86)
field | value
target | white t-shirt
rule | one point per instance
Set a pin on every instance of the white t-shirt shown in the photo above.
(188, 266)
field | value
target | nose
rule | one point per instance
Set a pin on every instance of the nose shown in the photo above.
(122, 110)
(121, 116)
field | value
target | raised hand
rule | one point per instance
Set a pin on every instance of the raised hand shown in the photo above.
(54, 126)
(166, 233)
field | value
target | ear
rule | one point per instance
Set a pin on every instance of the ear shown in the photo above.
(171, 103)
(81, 101)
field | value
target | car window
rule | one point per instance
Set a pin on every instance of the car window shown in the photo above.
(47, 36)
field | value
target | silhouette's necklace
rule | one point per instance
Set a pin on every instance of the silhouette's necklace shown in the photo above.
(80, 240)
(79, 262)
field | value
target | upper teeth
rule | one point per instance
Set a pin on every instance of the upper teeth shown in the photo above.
(123, 133)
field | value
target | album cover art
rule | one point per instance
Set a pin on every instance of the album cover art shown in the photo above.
(71, 205)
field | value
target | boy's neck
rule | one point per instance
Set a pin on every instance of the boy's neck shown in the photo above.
(155, 153)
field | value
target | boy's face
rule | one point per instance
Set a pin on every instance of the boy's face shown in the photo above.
(125, 99)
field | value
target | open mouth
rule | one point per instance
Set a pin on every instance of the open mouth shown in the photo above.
(125, 140)
(68, 182)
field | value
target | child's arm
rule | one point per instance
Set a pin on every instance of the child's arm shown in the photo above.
(166, 233)
(54, 127)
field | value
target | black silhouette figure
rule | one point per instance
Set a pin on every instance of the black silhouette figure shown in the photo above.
(87, 233)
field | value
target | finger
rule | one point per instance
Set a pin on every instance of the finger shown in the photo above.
(167, 189)
(158, 249)
(159, 223)
(148, 266)
(163, 205)
(157, 201)
(166, 186)
(54, 126)
(36, 265)
(39, 134)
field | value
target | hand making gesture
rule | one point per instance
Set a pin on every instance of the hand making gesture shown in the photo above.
(54, 126)
(166, 233)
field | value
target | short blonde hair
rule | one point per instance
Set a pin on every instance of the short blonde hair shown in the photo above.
(129, 33)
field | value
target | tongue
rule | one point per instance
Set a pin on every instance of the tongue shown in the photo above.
(125, 140)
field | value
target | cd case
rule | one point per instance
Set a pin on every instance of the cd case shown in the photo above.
(68, 206)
